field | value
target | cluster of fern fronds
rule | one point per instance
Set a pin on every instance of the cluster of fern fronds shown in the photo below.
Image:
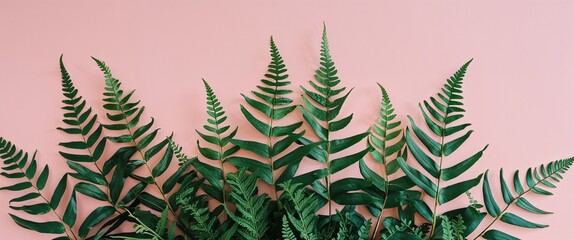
(216, 195)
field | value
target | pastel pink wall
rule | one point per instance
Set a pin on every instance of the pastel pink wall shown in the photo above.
(518, 91)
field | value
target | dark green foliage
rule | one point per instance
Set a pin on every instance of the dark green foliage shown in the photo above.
(90, 144)
(125, 115)
(200, 200)
(536, 179)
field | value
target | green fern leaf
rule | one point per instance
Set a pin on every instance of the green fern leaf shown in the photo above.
(549, 173)
(252, 209)
(205, 225)
(322, 105)
(302, 216)
(387, 143)
(286, 231)
(18, 167)
(125, 114)
(439, 116)
(271, 99)
(92, 144)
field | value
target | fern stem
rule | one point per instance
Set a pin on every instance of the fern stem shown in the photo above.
(377, 224)
(438, 181)
(213, 99)
(270, 140)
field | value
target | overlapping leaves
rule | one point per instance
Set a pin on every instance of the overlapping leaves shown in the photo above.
(125, 115)
(88, 147)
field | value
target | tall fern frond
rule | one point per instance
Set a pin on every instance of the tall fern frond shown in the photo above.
(218, 136)
(90, 143)
(273, 102)
(536, 179)
(19, 167)
(442, 114)
(252, 209)
(302, 216)
(387, 143)
(321, 111)
(125, 114)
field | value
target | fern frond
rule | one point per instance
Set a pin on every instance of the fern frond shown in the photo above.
(204, 225)
(145, 232)
(442, 114)
(218, 137)
(286, 231)
(19, 167)
(364, 230)
(447, 228)
(322, 105)
(303, 215)
(252, 209)
(535, 180)
(125, 114)
(343, 232)
(272, 100)
(387, 143)
(91, 145)
(387, 136)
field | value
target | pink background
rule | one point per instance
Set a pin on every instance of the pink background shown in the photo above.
(518, 91)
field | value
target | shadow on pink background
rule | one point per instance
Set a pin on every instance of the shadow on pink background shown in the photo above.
(518, 91)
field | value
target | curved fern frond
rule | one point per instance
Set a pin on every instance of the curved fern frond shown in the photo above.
(322, 105)
(302, 216)
(125, 114)
(252, 209)
(217, 135)
(19, 167)
(273, 102)
(91, 144)
(443, 112)
(536, 179)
